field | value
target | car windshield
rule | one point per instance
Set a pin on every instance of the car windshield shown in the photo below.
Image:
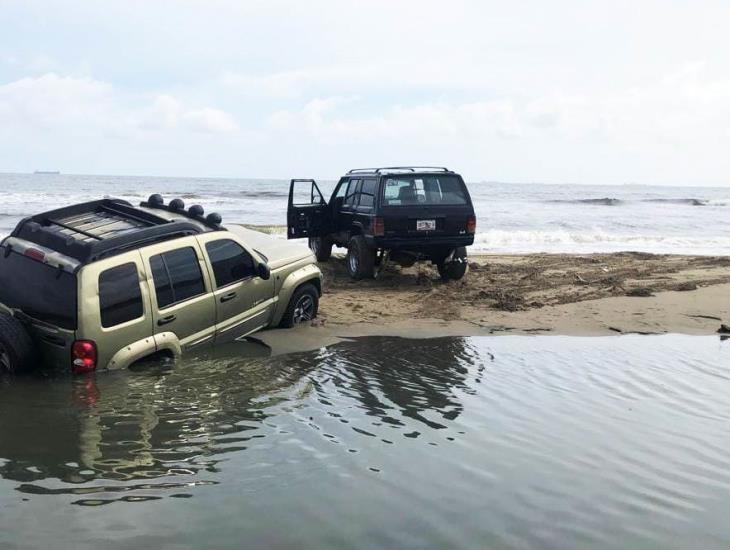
(404, 190)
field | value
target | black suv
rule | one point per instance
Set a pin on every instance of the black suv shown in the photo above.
(402, 214)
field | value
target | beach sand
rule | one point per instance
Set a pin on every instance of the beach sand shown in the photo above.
(582, 295)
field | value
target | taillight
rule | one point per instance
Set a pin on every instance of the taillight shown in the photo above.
(378, 227)
(35, 254)
(83, 356)
(471, 224)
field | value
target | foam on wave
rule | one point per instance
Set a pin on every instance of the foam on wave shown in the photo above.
(498, 240)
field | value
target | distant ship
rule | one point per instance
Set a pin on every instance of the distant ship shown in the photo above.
(47, 172)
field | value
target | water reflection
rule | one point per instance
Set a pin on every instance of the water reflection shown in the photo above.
(522, 442)
(174, 423)
(392, 378)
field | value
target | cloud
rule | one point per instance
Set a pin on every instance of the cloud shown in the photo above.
(85, 105)
(169, 113)
(209, 120)
(681, 106)
(53, 100)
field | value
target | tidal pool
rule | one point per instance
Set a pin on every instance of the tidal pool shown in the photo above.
(480, 442)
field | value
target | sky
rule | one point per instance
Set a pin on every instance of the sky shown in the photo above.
(526, 91)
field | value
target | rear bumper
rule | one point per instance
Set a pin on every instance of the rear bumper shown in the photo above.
(418, 244)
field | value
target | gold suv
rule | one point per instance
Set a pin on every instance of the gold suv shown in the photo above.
(103, 284)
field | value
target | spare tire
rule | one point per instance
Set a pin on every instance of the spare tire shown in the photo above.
(16, 346)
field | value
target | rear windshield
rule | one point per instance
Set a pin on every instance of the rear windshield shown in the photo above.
(404, 190)
(37, 289)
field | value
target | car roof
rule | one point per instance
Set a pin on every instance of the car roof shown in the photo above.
(400, 170)
(93, 230)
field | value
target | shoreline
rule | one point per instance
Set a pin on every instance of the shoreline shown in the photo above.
(521, 294)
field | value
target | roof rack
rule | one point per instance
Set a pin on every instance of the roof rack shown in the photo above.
(92, 230)
(399, 169)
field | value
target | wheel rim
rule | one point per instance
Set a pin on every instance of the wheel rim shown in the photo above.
(4, 359)
(304, 309)
(352, 261)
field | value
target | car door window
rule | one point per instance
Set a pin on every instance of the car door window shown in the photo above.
(177, 276)
(120, 297)
(341, 190)
(230, 262)
(351, 193)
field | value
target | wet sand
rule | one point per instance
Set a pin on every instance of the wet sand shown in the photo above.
(581, 295)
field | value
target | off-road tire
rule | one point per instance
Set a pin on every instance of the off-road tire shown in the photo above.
(306, 297)
(360, 258)
(16, 347)
(456, 269)
(322, 248)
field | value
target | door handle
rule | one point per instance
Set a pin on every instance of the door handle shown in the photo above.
(165, 320)
(228, 297)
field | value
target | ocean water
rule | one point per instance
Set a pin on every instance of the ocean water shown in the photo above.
(483, 442)
(511, 217)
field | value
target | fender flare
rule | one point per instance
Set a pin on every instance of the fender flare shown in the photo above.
(145, 347)
(308, 274)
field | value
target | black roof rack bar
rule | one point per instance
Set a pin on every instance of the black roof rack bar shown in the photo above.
(132, 214)
(74, 229)
(106, 226)
(408, 168)
(148, 236)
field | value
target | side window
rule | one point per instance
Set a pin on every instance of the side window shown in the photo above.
(120, 298)
(341, 190)
(367, 193)
(305, 193)
(351, 193)
(230, 262)
(177, 276)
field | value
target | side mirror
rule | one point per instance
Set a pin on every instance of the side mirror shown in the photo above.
(264, 271)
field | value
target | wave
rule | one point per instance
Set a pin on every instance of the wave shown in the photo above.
(263, 194)
(610, 201)
(605, 201)
(557, 241)
(691, 202)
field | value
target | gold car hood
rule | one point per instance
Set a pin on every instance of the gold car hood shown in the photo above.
(279, 252)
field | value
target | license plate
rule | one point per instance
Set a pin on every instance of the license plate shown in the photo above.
(425, 225)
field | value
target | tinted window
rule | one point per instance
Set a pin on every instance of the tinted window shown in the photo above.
(38, 289)
(177, 276)
(369, 186)
(230, 262)
(163, 288)
(341, 190)
(367, 193)
(120, 297)
(351, 192)
(424, 190)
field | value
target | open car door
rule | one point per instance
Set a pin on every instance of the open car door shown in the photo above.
(307, 214)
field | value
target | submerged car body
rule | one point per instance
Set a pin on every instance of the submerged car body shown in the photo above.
(105, 284)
